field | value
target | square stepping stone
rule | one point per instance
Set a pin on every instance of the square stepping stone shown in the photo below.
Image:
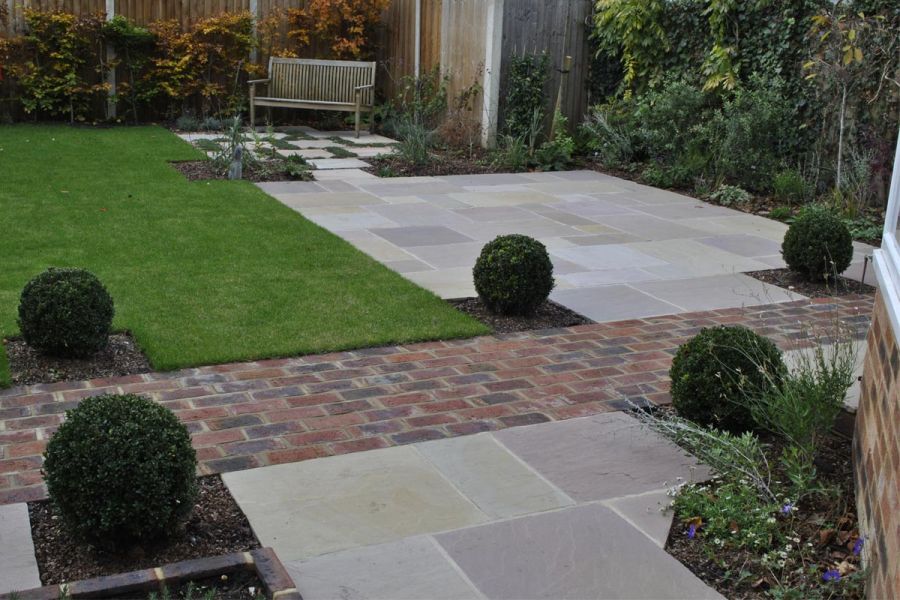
(613, 303)
(338, 163)
(410, 569)
(491, 477)
(18, 567)
(306, 153)
(582, 552)
(601, 457)
(349, 175)
(407, 237)
(320, 506)
(649, 512)
(290, 187)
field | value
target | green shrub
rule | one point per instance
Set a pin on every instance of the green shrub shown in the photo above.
(526, 78)
(790, 186)
(730, 195)
(604, 139)
(663, 176)
(415, 142)
(513, 275)
(715, 371)
(187, 123)
(121, 470)
(556, 154)
(511, 154)
(66, 312)
(665, 120)
(817, 244)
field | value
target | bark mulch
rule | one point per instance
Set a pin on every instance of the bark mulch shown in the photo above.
(205, 170)
(787, 279)
(443, 162)
(549, 315)
(217, 526)
(121, 357)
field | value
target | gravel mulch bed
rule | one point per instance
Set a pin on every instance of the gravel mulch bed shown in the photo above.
(831, 525)
(204, 170)
(121, 357)
(787, 279)
(548, 316)
(217, 526)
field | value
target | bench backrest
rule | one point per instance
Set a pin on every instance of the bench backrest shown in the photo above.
(320, 80)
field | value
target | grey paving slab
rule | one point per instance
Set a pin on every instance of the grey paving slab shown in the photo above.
(495, 480)
(290, 187)
(743, 244)
(649, 512)
(588, 279)
(360, 220)
(697, 259)
(646, 227)
(494, 213)
(718, 291)
(449, 256)
(408, 237)
(601, 457)
(399, 187)
(613, 303)
(408, 266)
(608, 256)
(355, 175)
(502, 198)
(411, 569)
(320, 506)
(601, 239)
(338, 163)
(422, 214)
(686, 210)
(582, 552)
(488, 179)
(310, 200)
(18, 567)
(307, 153)
(592, 208)
(447, 283)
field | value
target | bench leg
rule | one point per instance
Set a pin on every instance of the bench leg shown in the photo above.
(252, 114)
(357, 122)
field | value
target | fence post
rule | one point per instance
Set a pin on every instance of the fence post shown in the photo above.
(493, 50)
(254, 10)
(111, 73)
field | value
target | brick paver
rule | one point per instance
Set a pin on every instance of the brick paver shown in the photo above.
(247, 415)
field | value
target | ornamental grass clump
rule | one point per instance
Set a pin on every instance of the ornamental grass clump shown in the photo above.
(66, 313)
(513, 275)
(120, 471)
(715, 371)
(818, 245)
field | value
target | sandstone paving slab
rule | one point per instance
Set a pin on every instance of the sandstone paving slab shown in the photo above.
(411, 569)
(306, 153)
(601, 457)
(739, 223)
(649, 512)
(495, 213)
(18, 567)
(306, 200)
(404, 187)
(600, 239)
(582, 552)
(407, 237)
(560, 187)
(364, 152)
(743, 244)
(686, 210)
(496, 198)
(609, 256)
(859, 271)
(354, 175)
(276, 188)
(408, 266)
(381, 250)
(717, 291)
(357, 220)
(646, 227)
(338, 163)
(422, 214)
(696, 258)
(537, 227)
(449, 256)
(612, 303)
(446, 283)
(320, 506)
(495, 480)
(586, 279)
(491, 179)
(313, 144)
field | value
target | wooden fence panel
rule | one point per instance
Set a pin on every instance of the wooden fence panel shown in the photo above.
(558, 27)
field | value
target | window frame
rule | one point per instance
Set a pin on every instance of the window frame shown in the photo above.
(887, 259)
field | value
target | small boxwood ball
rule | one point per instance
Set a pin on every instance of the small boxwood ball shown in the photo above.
(120, 471)
(714, 372)
(66, 313)
(513, 275)
(818, 244)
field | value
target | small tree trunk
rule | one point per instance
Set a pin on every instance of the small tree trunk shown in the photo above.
(840, 153)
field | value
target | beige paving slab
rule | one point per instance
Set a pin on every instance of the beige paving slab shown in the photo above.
(320, 506)
(446, 283)
(302, 201)
(355, 175)
(578, 187)
(411, 569)
(697, 258)
(487, 199)
(18, 567)
(325, 164)
(741, 223)
(306, 153)
(649, 512)
(494, 479)
(717, 291)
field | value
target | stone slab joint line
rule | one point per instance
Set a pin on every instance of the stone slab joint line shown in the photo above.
(534, 471)
(456, 568)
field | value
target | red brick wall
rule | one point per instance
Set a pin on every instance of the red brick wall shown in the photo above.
(876, 454)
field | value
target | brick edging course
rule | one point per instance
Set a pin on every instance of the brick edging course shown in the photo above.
(246, 415)
(263, 561)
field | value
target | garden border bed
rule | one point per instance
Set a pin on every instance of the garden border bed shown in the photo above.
(263, 562)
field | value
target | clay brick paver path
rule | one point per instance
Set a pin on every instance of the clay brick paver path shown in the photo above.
(252, 414)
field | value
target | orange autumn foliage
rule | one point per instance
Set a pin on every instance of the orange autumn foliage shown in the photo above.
(345, 28)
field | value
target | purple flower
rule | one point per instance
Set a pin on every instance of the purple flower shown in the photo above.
(858, 546)
(831, 575)
(787, 509)
(692, 531)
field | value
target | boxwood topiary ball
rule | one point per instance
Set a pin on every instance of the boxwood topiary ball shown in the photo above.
(713, 372)
(513, 275)
(121, 470)
(66, 313)
(817, 244)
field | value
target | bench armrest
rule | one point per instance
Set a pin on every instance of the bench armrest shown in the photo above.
(363, 87)
(255, 81)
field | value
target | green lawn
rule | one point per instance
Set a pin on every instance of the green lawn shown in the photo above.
(201, 272)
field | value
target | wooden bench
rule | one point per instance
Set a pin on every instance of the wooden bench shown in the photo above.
(317, 84)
